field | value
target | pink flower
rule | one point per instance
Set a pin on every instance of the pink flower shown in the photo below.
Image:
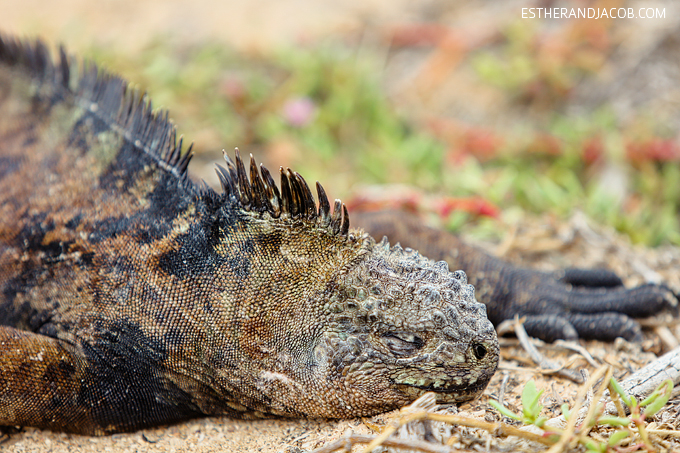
(299, 111)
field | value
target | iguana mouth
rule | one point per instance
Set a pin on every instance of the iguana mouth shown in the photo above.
(451, 389)
(448, 389)
(450, 394)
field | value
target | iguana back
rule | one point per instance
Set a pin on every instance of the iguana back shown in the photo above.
(131, 296)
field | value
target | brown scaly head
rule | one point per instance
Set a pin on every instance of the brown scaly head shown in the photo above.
(355, 327)
(159, 299)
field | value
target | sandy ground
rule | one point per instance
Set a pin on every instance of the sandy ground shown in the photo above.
(255, 24)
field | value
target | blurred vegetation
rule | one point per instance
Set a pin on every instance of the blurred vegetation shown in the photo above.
(321, 110)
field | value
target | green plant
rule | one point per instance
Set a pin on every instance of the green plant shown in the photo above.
(639, 412)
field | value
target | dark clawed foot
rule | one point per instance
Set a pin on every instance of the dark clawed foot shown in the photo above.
(601, 278)
(605, 326)
(572, 326)
(639, 302)
(648, 300)
(549, 328)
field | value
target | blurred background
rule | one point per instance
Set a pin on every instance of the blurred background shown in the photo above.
(470, 112)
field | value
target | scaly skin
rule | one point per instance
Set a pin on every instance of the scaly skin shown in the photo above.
(131, 297)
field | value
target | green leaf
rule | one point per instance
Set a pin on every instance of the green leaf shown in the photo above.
(565, 411)
(627, 399)
(530, 397)
(660, 399)
(540, 421)
(614, 421)
(591, 445)
(504, 410)
(617, 437)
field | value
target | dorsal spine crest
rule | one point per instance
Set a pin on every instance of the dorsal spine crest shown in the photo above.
(295, 200)
(129, 112)
(124, 109)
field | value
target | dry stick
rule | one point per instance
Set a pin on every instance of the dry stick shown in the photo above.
(641, 383)
(416, 445)
(497, 428)
(541, 361)
(597, 397)
(569, 430)
(667, 337)
(391, 429)
(573, 346)
(644, 381)
(418, 410)
(413, 411)
(664, 433)
(620, 411)
(504, 383)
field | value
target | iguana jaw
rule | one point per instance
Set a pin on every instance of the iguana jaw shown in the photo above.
(450, 384)
(451, 395)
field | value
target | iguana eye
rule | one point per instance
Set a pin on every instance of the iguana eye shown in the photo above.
(403, 343)
(479, 351)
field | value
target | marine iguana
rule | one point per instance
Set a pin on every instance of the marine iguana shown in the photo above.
(132, 296)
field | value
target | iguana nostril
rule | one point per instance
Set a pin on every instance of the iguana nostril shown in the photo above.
(479, 351)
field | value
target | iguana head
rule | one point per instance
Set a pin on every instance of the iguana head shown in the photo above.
(401, 325)
(351, 326)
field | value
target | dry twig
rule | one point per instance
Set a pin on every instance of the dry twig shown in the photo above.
(546, 365)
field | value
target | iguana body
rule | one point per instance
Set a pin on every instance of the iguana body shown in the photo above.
(131, 297)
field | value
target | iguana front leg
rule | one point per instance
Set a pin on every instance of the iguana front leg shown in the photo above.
(53, 384)
(41, 382)
(586, 303)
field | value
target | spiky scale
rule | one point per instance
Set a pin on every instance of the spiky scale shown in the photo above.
(306, 196)
(324, 206)
(259, 193)
(243, 184)
(336, 217)
(344, 228)
(272, 192)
